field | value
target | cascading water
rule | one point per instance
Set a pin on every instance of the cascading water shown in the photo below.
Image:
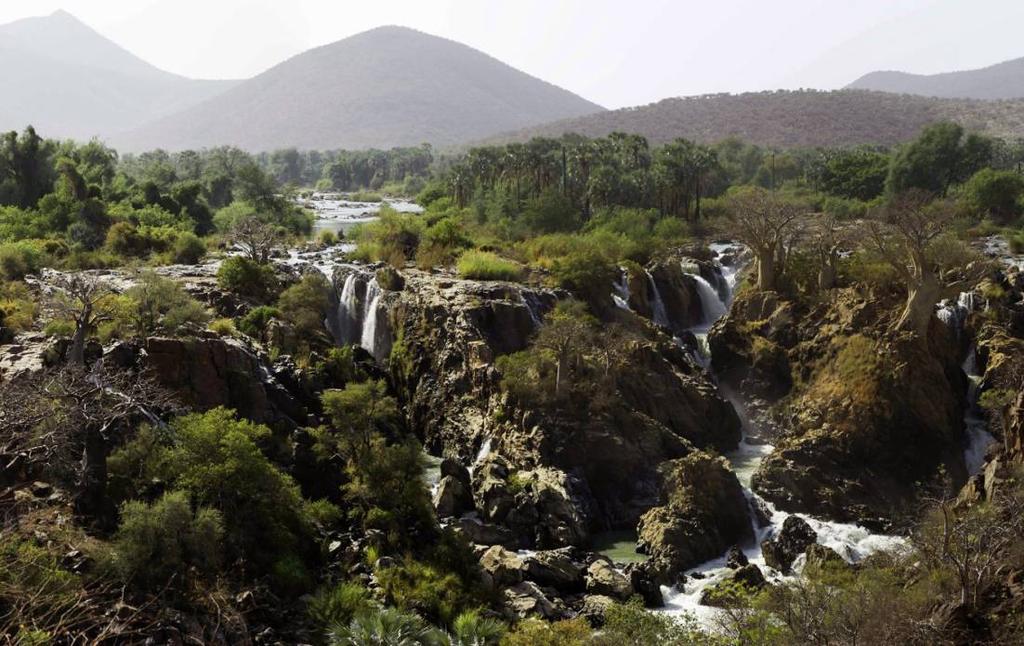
(347, 323)
(975, 425)
(657, 305)
(620, 291)
(851, 542)
(369, 339)
(485, 450)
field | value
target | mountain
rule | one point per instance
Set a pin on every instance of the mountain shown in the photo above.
(1000, 81)
(69, 81)
(389, 86)
(791, 118)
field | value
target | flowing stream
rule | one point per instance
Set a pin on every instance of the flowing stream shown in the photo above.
(850, 541)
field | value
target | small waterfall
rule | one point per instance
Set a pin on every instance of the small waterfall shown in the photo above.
(657, 305)
(485, 450)
(954, 314)
(532, 304)
(347, 323)
(369, 339)
(975, 425)
(620, 291)
(711, 304)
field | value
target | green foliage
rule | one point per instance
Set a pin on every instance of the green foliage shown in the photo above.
(162, 305)
(534, 632)
(248, 278)
(339, 367)
(384, 626)
(328, 238)
(304, 306)
(35, 591)
(939, 158)
(394, 237)
(854, 174)
(430, 592)
(484, 265)
(17, 306)
(215, 458)
(18, 259)
(471, 629)
(255, 321)
(188, 249)
(633, 624)
(995, 193)
(223, 327)
(337, 605)
(163, 540)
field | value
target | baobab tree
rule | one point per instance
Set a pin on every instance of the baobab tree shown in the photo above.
(68, 419)
(763, 221)
(256, 238)
(901, 234)
(85, 301)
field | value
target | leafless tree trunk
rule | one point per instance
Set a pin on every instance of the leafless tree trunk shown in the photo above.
(86, 302)
(763, 221)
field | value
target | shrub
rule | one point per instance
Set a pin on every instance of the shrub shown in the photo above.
(188, 249)
(304, 305)
(384, 626)
(338, 604)
(328, 238)
(412, 585)
(158, 541)
(535, 632)
(393, 237)
(586, 273)
(484, 265)
(339, 366)
(248, 278)
(17, 308)
(125, 240)
(216, 459)
(161, 304)
(18, 259)
(223, 327)
(255, 322)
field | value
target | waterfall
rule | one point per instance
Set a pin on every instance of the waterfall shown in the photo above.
(347, 323)
(533, 305)
(975, 425)
(485, 450)
(620, 291)
(710, 303)
(852, 542)
(369, 337)
(657, 305)
(954, 314)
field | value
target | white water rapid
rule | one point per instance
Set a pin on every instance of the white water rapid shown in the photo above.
(369, 339)
(850, 541)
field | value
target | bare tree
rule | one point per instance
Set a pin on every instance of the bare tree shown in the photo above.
(256, 238)
(68, 420)
(86, 301)
(901, 234)
(828, 240)
(763, 221)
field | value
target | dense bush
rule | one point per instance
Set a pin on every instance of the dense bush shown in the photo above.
(255, 321)
(163, 540)
(187, 249)
(393, 238)
(162, 305)
(248, 278)
(18, 259)
(304, 306)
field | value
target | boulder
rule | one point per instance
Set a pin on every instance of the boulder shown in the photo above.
(735, 558)
(644, 581)
(724, 594)
(525, 600)
(594, 608)
(820, 556)
(503, 566)
(554, 568)
(780, 551)
(705, 513)
(480, 533)
(452, 497)
(603, 578)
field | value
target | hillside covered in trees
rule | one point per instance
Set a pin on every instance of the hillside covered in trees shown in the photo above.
(787, 119)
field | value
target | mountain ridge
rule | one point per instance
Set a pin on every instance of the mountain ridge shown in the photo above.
(1003, 80)
(410, 87)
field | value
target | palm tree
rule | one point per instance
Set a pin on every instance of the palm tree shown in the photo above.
(470, 629)
(385, 627)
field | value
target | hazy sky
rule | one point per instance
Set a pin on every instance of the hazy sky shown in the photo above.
(614, 52)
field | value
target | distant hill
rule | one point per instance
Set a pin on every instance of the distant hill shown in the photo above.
(1001, 81)
(791, 119)
(390, 86)
(69, 81)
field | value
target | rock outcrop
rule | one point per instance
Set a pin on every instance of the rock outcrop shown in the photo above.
(780, 551)
(704, 513)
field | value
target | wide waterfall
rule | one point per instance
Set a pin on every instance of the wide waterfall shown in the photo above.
(710, 302)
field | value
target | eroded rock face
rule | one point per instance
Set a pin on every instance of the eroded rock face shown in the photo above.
(703, 514)
(552, 480)
(210, 372)
(602, 578)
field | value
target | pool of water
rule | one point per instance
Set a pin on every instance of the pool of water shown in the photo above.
(619, 546)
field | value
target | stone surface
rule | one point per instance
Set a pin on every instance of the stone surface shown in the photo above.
(795, 537)
(603, 578)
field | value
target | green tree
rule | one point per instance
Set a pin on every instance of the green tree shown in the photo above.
(996, 193)
(940, 157)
